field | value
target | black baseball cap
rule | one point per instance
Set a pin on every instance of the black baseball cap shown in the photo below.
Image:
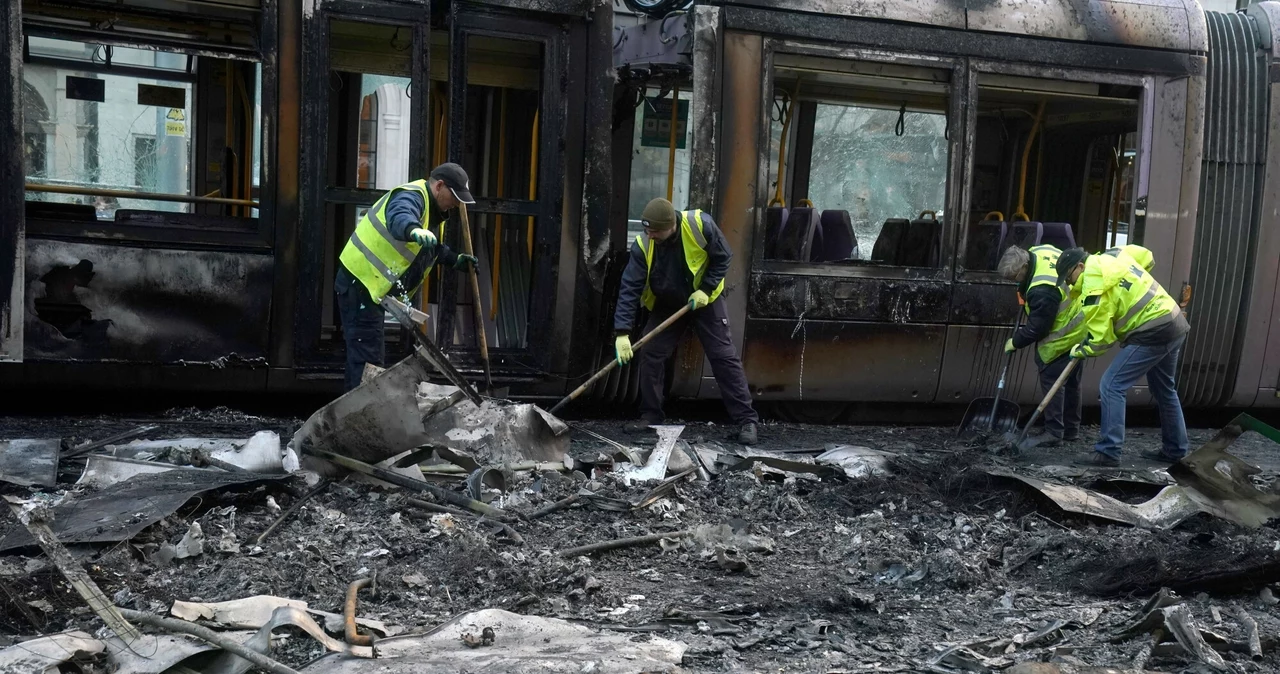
(455, 178)
(1068, 261)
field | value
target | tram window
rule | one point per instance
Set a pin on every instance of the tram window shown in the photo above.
(370, 99)
(106, 126)
(651, 158)
(1067, 179)
(863, 152)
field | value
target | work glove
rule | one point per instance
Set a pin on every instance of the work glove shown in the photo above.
(622, 347)
(1009, 347)
(698, 300)
(424, 237)
(465, 262)
(1078, 351)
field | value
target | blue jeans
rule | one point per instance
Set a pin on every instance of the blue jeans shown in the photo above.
(1160, 365)
(362, 327)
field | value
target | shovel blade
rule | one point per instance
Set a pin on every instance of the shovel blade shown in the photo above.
(986, 415)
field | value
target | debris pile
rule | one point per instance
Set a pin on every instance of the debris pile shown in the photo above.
(499, 538)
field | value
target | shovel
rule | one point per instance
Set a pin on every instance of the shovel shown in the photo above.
(614, 363)
(987, 415)
(1053, 390)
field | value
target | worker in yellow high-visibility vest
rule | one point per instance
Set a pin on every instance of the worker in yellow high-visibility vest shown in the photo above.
(1122, 304)
(392, 249)
(681, 259)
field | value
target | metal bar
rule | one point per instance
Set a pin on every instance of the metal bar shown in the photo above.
(433, 353)
(150, 42)
(12, 226)
(131, 194)
(114, 69)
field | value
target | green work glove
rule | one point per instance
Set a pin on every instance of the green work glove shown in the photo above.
(622, 347)
(698, 300)
(465, 262)
(1078, 351)
(424, 237)
(1009, 347)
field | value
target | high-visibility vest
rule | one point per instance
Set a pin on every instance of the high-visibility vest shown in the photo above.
(1119, 299)
(695, 255)
(1068, 324)
(1137, 253)
(376, 258)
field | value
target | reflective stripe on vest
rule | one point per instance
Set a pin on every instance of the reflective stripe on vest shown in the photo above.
(373, 255)
(694, 243)
(1068, 323)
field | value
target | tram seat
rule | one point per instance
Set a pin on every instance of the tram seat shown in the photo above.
(984, 245)
(795, 240)
(775, 218)
(922, 246)
(838, 239)
(1058, 234)
(888, 246)
(1022, 234)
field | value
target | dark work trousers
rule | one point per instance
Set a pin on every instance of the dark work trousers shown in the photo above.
(711, 323)
(362, 328)
(1062, 415)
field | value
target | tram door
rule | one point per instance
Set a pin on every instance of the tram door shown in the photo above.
(850, 284)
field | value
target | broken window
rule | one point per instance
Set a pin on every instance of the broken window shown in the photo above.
(108, 126)
(1054, 162)
(858, 163)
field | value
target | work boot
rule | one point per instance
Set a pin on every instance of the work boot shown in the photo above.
(1098, 460)
(638, 426)
(1071, 436)
(747, 434)
(1159, 455)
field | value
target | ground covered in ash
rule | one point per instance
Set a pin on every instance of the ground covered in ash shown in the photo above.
(774, 572)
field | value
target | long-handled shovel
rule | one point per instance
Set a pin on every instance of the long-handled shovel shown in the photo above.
(481, 337)
(985, 415)
(614, 363)
(1016, 445)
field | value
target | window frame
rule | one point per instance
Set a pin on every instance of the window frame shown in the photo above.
(980, 67)
(956, 67)
(168, 228)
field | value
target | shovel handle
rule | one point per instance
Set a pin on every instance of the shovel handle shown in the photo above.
(1053, 390)
(614, 363)
(482, 338)
(1017, 323)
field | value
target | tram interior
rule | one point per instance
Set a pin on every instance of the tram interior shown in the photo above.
(864, 151)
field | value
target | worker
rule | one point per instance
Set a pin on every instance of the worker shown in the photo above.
(1054, 324)
(393, 248)
(1123, 304)
(681, 259)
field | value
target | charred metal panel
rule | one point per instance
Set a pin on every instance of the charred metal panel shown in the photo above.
(597, 174)
(931, 40)
(984, 304)
(1231, 188)
(846, 298)
(1262, 345)
(656, 45)
(1162, 24)
(975, 355)
(12, 235)
(116, 303)
(704, 156)
(284, 26)
(741, 128)
(788, 359)
(580, 8)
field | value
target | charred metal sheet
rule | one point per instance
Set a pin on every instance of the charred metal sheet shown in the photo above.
(120, 511)
(101, 302)
(11, 184)
(572, 7)
(30, 462)
(846, 298)
(1161, 24)
(1262, 342)
(974, 357)
(839, 360)
(930, 40)
(597, 176)
(984, 304)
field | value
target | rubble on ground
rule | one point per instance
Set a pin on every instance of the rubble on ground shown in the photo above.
(838, 549)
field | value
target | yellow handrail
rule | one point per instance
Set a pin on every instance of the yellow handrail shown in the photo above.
(132, 194)
(533, 178)
(1026, 155)
(671, 142)
(496, 267)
